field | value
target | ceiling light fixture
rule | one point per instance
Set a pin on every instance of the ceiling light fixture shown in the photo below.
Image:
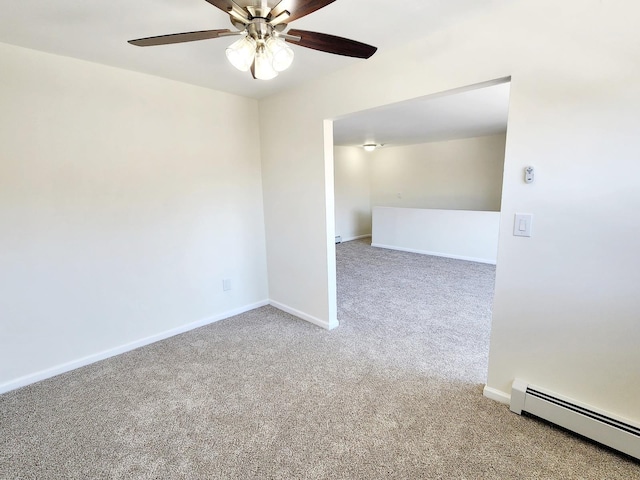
(263, 64)
(370, 147)
(261, 49)
(241, 53)
(267, 56)
(281, 53)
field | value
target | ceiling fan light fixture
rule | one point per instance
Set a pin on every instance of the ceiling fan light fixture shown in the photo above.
(264, 64)
(241, 53)
(261, 47)
(281, 52)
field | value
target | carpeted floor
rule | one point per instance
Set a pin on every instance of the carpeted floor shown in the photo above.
(395, 392)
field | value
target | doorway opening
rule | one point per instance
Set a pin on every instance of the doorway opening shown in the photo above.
(417, 218)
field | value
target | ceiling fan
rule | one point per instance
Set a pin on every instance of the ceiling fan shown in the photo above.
(262, 48)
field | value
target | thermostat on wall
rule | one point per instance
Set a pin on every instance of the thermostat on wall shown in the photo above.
(528, 175)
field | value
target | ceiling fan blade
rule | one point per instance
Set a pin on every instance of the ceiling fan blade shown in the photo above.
(298, 8)
(331, 44)
(236, 12)
(224, 5)
(177, 38)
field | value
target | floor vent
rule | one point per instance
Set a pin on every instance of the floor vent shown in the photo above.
(604, 428)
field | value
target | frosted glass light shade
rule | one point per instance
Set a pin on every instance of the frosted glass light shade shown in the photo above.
(241, 53)
(370, 147)
(282, 54)
(264, 64)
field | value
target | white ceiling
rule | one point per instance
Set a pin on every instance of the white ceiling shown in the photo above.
(463, 114)
(98, 30)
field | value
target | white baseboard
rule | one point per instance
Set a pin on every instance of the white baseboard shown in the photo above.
(497, 395)
(297, 313)
(436, 254)
(89, 359)
(348, 239)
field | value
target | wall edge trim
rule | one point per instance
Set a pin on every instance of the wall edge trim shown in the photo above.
(303, 316)
(436, 254)
(127, 347)
(496, 395)
(357, 237)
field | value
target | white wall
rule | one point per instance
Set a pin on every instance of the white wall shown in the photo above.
(462, 234)
(566, 304)
(352, 170)
(124, 201)
(463, 174)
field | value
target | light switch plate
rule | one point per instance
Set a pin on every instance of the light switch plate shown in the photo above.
(522, 225)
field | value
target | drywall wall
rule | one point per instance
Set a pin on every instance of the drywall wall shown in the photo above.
(125, 200)
(352, 170)
(566, 305)
(461, 234)
(463, 174)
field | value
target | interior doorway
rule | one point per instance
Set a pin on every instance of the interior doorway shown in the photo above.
(443, 151)
(430, 182)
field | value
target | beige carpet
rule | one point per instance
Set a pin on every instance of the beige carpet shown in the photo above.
(395, 392)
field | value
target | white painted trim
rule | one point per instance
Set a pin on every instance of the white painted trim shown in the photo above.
(348, 239)
(309, 318)
(330, 223)
(436, 254)
(496, 395)
(96, 357)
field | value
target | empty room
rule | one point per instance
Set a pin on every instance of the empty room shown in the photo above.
(173, 303)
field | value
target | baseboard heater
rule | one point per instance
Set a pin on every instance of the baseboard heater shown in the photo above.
(599, 426)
